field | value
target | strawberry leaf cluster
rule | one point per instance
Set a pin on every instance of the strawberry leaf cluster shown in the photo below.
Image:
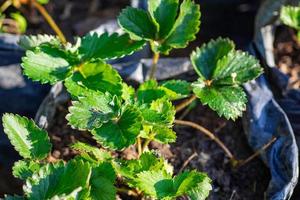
(119, 116)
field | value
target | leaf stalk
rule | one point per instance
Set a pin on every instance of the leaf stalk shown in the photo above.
(154, 66)
(207, 133)
(185, 103)
(50, 21)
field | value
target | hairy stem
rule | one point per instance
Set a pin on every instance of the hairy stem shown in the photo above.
(145, 145)
(208, 133)
(50, 21)
(5, 5)
(154, 66)
(257, 153)
(139, 146)
(185, 103)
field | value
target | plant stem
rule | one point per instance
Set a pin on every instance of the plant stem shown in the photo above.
(5, 5)
(208, 133)
(257, 153)
(147, 142)
(139, 146)
(50, 21)
(154, 66)
(186, 103)
(127, 191)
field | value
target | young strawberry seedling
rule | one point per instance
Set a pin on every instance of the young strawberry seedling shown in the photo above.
(119, 116)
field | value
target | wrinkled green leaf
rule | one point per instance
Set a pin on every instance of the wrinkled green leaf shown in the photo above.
(94, 76)
(102, 182)
(121, 132)
(177, 89)
(185, 28)
(149, 91)
(105, 46)
(164, 13)
(97, 154)
(33, 41)
(206, 58)
(161, 185)
(27, 138)
(227, 101)
(47, 65)
(62, 180)
(236, 68)
(92, 111)
(25, 169)
(137, 23)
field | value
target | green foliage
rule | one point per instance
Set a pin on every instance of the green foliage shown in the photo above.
(33, 41)
(107, 46)
(20, 20)
(121, 132)
(48, 61)
(25, 169)
(28, 139)
(62, 180)
(117, 115)
(160, 26)
(222, 70)
(290, 16)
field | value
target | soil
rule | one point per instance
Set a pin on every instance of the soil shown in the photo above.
(245, 183)
(287, 55)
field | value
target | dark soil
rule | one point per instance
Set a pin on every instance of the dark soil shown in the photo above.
(287, 55)
(248, 182)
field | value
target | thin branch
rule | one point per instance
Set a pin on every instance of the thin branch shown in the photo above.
(208, 133)
(139, 146)
(257, 153)
(185, 103)
(146, 144)
(188, 161)
(50, 21)
(154, 66)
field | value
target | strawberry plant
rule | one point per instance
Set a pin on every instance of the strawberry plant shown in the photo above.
(290, 16)
(119, 116)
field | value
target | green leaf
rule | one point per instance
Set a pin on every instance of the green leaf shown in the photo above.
(290, 16)
(33, 41)
(122, 132)
(206, 58)
(236, 68)
(177, 89)
(105, 46)
(161, 185)
(94, 76)
(46, 64)
(137, 23)
(21, 21)
(164, 135)
(128, 93)
(166, 109)
(25, 169)
(227, 101)
(102, 182)
(92, 111)
(164, 13)
(62, 180)
(97, 154)
(27, 138)
(149, 91)
(185, 28)
(202, 191)
(147, 161)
